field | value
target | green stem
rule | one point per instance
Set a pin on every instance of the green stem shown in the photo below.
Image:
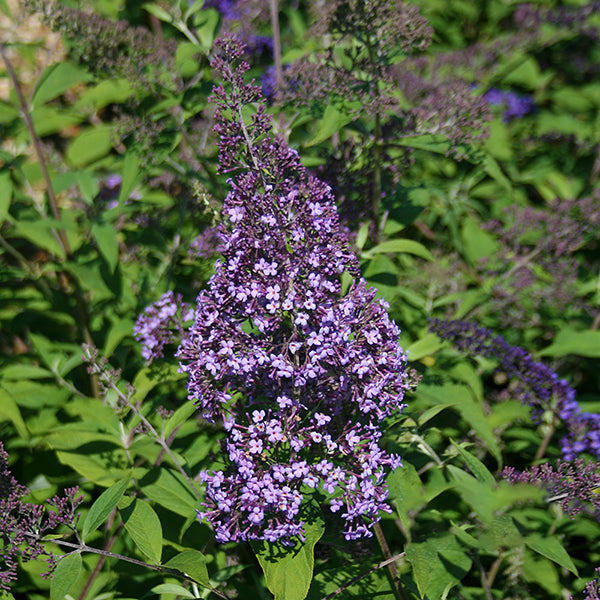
(362, 575)
(161, 442)
(494, 571)
(544, 445)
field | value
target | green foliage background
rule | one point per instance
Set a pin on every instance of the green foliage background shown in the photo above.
(85, 271)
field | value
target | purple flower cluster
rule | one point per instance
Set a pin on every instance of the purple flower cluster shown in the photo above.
(536, 384)
(300, 373)
(23, 526)
(592, 589)
(515, 105)
(574, 484)
(161, 323)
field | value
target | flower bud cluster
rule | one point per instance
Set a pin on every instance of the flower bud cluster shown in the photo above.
(573, 484)
(300, 373)
(23, 526)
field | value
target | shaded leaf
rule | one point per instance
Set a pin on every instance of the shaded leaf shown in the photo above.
(438, 565)
(193, 564)
(475, 465)
(580, 343)
(551, 548)
(108, 244)
(66, 574)
(103, 506)
(143, 525)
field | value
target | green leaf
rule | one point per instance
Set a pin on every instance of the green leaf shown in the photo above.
(427, 345)
(6, 190)
(93, 143)
(551, 548)
(158, 12)
(406, 492)
(477, 243)
(170, 490)
(362, 235)
(40, 234)
(475, 493)
(492, 168)
(289, 571)
(49, 119)
(475, 465)
(367, 586)
(25, 372)
(404, 246)
(109, 91)
(95, 467)
(172, 588)
(103, 506)
(460, 531)
(131, 176)
(8, 112)
(66, 574)
(566, 123)
(580, 343)
(193, 564)
(9, 411)
(332, 120)
(438, 565)
(178, 417)
(143, 525)
(206, 24)
(498, 145)
(147, 378)
(118, 331)
(472, 412)
(193, 8)
(542, 572)
(430, 142)
(57, 79)
(108, 244)
(432, 412)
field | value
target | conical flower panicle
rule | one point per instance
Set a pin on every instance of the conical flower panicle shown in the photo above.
(300, 374)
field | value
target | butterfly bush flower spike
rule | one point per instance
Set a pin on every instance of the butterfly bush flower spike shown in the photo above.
(300, 373)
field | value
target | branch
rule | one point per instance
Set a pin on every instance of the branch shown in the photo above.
(380, 565)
